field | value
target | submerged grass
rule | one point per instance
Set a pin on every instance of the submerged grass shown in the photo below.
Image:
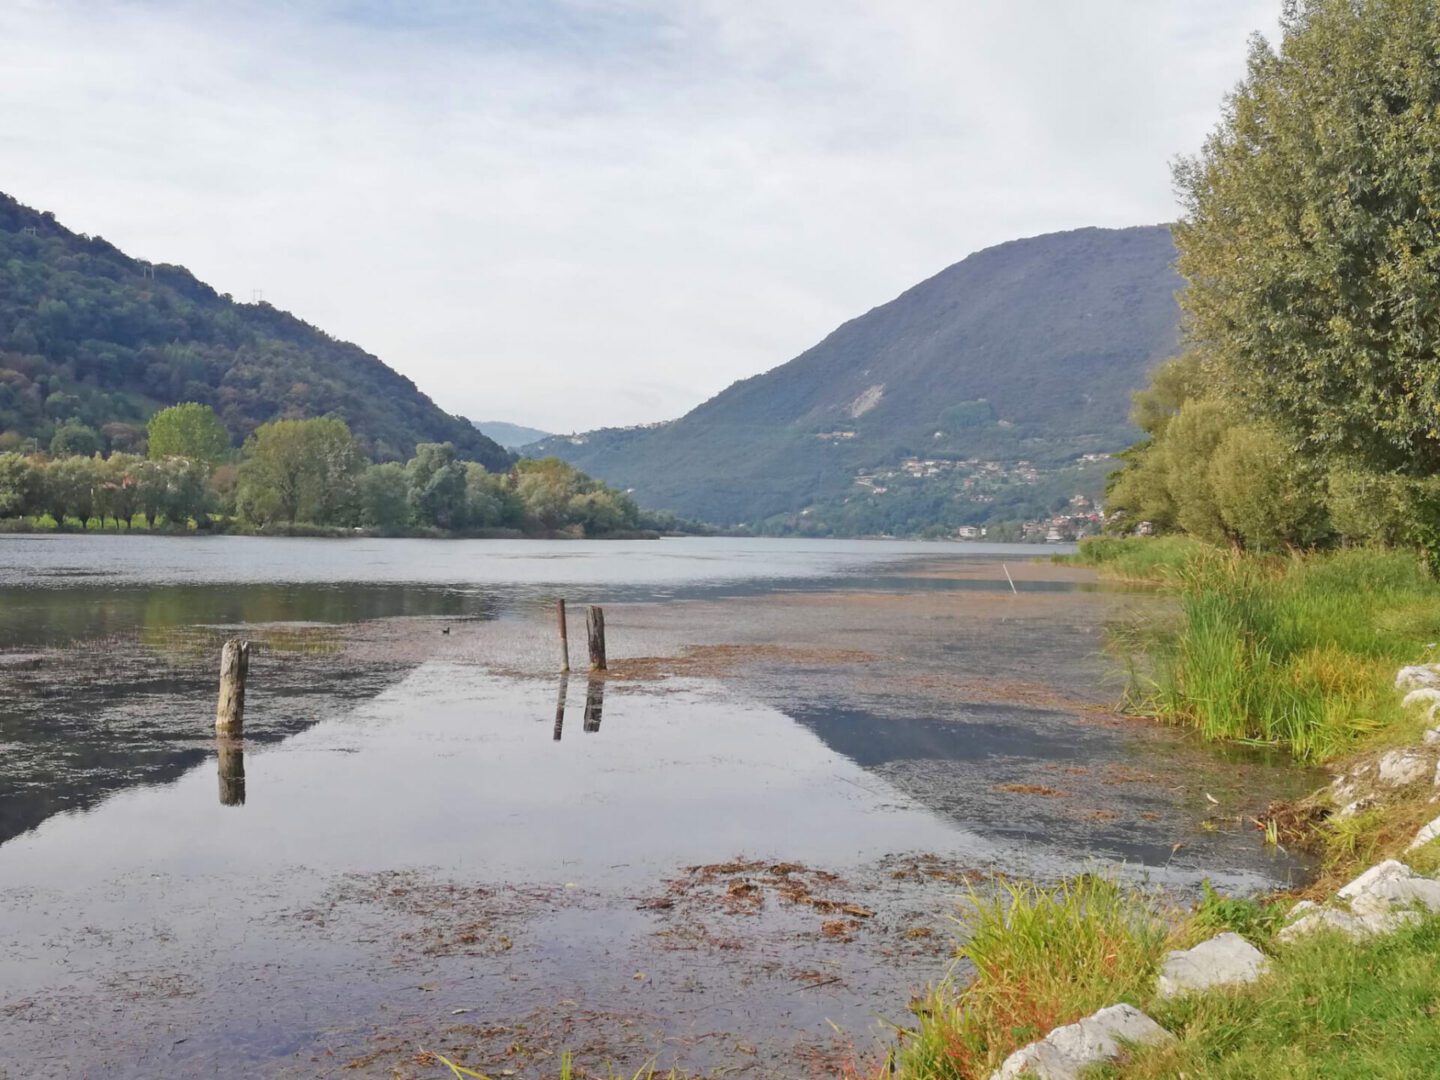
(1042, 957)
(567, 1071)
(1295, 652)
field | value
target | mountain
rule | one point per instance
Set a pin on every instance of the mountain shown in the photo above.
(992, 391)
(510, 436)
(87, 332)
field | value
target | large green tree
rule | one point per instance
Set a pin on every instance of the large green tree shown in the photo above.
(300, 470)
(385, 497)
(189, 430)
(19, 485)
(437, 486)
(1311, 234)
(68, 489)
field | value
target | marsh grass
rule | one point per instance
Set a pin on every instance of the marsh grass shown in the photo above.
(1256, 920)
(1138, 558)
(1294, 652)
(1042, 957)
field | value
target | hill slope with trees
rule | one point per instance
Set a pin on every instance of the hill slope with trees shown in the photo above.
(1020, 359)
(90, 335)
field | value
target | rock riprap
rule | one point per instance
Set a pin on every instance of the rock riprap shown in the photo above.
(1417, 676)
(1068, 1051)
(1380, 900)
(1225, 960)
(1426, 834)
(1400, 768)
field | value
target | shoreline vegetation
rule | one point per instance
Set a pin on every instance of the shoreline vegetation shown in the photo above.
(45, 525)
(304, 478)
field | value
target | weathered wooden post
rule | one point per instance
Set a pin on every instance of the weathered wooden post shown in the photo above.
(564, 637)
(231, 755)
(560, 705)
(594, 703)
(595, 633)
(234, 666)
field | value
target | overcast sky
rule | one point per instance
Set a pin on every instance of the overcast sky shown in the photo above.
(576, 213)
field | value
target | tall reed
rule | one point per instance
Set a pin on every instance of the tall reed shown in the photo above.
(1298, 652)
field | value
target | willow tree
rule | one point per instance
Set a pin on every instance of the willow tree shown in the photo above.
(189, 430)
(1311, 234)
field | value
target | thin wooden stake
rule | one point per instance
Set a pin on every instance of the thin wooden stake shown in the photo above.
(564, 637)
(1010, 579)
(234, 666)
(560, 704)
(595, 633)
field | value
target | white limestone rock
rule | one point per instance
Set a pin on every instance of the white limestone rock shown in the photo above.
(1425, 835)
(1397, 894)
(1068, 1051)
(1386, 920)
(1432, 736)
(1400, 768)
(1426, 695)
(1350, 809)
(1324, 919)
(1381, 900)
(1417, 676)
(1040, 1059)
(1224, 960)
(1351, 785)
(1389, 870)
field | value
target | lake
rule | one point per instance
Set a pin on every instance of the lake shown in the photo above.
(740, 849)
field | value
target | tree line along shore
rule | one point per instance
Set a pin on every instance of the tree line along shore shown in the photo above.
(301, 477)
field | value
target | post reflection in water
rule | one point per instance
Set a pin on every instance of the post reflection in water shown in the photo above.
(230, 754)
(560, 706)
(594, 703)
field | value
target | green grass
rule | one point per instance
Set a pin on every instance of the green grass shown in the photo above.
(1257, 921)
(1042, 957)
(1329, 1009)
(1150, 557)
(1295, 652)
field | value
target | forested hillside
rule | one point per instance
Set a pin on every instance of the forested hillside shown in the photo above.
(973, 396)
(91, 335)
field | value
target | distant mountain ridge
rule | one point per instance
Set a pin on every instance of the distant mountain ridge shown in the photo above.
(1018, 360)
(510, 436)
(88, 332)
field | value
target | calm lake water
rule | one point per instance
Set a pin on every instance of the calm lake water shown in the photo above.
(55, 589)
(425, 823)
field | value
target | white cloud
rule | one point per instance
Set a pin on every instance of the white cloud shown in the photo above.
(584, 212)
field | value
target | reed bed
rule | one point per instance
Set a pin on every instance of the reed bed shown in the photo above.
(1295, 652)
